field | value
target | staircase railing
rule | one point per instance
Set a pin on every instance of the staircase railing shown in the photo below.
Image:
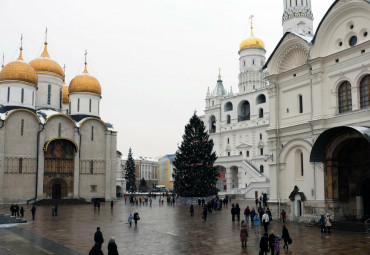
(367, 225)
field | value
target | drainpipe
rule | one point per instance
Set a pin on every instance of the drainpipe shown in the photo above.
(37, 160)
(277, 148)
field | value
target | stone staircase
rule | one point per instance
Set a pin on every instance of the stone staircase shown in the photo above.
(7, 219)
(355, 226)
(69, 201)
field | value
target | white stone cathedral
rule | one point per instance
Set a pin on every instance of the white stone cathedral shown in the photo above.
(53, 143)
(319, 130)
(237, 123)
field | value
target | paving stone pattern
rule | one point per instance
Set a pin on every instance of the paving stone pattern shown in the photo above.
(161, 230)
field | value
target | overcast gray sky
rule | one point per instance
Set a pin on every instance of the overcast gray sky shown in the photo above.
(153, 58)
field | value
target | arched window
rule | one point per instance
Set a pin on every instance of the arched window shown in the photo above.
(91, 167)
(22, 96)
(228, 107)
(260, 113)
(60, 98)
(244, 111)
(8, 95)
(49, 93)
(69, 107)
(78, 105)
(261, 99)
(300, 103)
(33, 98)
(212, 124)
(365, 92)
(228, 119)
(92, 133)
(299, 164)
(89, 105)
(60, 130)
(345, 97)
(20, 165)
(261, 169)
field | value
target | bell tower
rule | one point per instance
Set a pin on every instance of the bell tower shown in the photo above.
(298, 17)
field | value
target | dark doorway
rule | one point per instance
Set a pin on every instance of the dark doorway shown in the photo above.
(56, 191)
(366, 197)
(299, 208)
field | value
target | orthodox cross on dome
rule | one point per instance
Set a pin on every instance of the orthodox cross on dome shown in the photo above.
(64, 70)
(20, 49)
(45, 53)
(46, 35)
(219, 73)
(195, 111)
(251, 18)
(85, 71)
(2, 65)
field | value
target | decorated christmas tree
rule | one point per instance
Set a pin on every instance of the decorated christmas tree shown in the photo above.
(130, 175)
(195, 175)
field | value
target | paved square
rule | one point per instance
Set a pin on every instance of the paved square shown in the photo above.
(161, 230)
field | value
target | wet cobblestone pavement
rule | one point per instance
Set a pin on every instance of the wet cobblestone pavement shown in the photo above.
(161, 230)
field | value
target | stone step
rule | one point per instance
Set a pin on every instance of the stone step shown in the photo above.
(8, 219)
(356, 226)
(69, 201)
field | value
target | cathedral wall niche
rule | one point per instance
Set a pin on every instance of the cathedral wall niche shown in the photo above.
(93, 146)
(52, 128)
(42, 100)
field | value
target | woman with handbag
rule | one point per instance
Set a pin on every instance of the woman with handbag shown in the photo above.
(136, 217)
(328, 222)
(244, 234)
(286, 237)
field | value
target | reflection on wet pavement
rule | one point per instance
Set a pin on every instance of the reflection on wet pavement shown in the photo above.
(171, 230)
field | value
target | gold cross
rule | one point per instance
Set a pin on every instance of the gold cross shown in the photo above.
(46, 34)
(251, 18)
(85, 56)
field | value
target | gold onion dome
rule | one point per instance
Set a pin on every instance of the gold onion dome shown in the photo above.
(44, 64)
(65, 94)
(20, 71)
(252, 42)
(85, 83)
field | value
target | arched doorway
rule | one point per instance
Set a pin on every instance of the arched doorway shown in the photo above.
(119, 191)
(234, 177)
(59, 156)
(345, 152)
(57, 188)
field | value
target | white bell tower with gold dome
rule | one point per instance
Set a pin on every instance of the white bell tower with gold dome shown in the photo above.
(298, 17)
(252, 58)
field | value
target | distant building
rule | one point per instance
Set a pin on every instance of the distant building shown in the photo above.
(166, 168)
(120, 176)
(146, 168)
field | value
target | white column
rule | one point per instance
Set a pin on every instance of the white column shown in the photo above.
(40, 175)
(76, 172)
(229, 181)
(113, 164)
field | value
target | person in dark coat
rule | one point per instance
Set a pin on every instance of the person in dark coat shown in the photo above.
(98, 237)
(96, 250)
(233, 212)
(199, 201)
(205, 212)
(322, 224)
(191, 210)
(33, 211)
(237, 212)
(286, 237)
(56, 210)
(112, 247)
(111, 205)
(244, 234)
(264, 244)
(272, 239)
(136, 217)
(253, 213)
(22, 212)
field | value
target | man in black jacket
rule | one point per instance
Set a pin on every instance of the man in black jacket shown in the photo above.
(98, 237)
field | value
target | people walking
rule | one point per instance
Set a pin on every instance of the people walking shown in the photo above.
(237, 212)
(256, 221)
(33, 211)
(265, 221)
(96, 250)
(125, 199)
(233, 212)
(264, 244)
(112, 247)
(111, 205)
(191, 210)
(136, 217)
(286, 237)
(283, 215)
(253, 213)
(244, 234)
(98, 237)
(130, 218)
(272, 239)
(328, 222)
(22, 212)
(322, 224)
(247, 213)
(56, 210)
(150, 201)
(205, 212)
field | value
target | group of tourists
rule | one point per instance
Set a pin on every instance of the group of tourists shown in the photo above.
(15, 210)
(99, 240)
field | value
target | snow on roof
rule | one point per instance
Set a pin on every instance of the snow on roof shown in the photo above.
(307, 38)
(3, 115)
(124, 158)
(44, 114)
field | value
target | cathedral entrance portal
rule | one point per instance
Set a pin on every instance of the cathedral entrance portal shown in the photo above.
(59, 168)
(345, 152)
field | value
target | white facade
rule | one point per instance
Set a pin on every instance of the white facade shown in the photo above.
(317, 88)
(17, 94)
(84, 104)
(298, 17)
(49, 92)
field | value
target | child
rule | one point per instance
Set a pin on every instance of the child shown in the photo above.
(130, 219)
(277, 245)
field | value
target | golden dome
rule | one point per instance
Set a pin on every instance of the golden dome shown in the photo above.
(85, 83)
(44, 64)
(19, 71)
(252, 43)
(65, 94)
